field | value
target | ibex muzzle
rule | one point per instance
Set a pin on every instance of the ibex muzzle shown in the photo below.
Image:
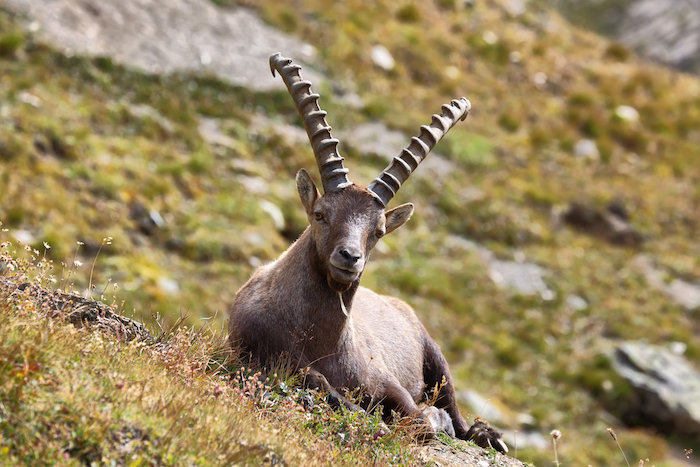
(309, 305)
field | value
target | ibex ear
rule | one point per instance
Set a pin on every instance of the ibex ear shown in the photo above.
(398, 216)
(307, 190)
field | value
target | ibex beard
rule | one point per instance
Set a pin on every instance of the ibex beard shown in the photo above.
(309, 305)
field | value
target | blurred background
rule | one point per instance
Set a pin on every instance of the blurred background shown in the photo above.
(554, 250)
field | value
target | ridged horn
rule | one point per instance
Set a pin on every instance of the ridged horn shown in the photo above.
(390, 180)
(325, 147)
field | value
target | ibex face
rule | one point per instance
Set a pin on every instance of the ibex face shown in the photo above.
(347, 220)
(345, 225)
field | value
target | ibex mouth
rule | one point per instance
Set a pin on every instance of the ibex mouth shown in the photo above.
(344, 276)
(343, 272)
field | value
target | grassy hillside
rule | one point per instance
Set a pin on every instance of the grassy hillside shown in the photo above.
(106, 392)
(87, 147)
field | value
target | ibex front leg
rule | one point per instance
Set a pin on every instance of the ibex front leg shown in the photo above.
(395, 397)
(313, 379)
(437, 375)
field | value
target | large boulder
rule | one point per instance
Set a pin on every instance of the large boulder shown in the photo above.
(666, 388)
(667, 31)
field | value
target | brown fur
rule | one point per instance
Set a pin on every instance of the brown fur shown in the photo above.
(291, 307)
(309, 306)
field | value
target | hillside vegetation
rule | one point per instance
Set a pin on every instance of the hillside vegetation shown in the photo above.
(90, 150)
(103, 391)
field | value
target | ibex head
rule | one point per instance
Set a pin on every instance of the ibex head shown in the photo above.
(348, 220)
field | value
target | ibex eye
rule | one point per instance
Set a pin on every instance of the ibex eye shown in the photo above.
(318, 216)
(380, 233)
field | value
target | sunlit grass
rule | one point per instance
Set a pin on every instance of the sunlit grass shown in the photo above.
(89, 394)
(78, 157)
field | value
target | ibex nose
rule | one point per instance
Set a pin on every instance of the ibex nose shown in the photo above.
(350, 255)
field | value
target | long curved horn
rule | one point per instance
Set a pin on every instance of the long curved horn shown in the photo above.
(325, 147)
(390, 180)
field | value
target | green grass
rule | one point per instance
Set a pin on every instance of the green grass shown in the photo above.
(73, 169)
(86, 396)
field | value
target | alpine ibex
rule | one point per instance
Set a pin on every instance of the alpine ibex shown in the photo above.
(309, 305)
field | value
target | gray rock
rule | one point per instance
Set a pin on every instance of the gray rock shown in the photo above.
(526, 436)
(576, 303)
(526, 439)
(586, 148)
(169, 35)
(667, 388)
(263, 125)
(210, 130)
(524, 278)
(665, 30)
(382, 58)
(274, 212)
(376, 138)
(682, 292)
(519, 276)
(478, 404)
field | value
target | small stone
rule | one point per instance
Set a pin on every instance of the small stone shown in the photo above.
(254, 185)
(587, 148)
(24, 236)
(627, 113)
(168, 285)
(30, 99)
(205, 58)
(452, 72)
(515, 7)
(274, 212)
(677, 348)
(382, 58)
(548, 295)
(540, 79)
(576, 303)
(489, 37)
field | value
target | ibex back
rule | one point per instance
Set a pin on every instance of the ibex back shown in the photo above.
(309, 305)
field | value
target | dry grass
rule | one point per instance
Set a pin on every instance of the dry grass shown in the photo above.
(79, 388)
(75, 169)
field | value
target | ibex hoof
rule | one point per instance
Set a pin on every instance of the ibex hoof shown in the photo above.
(436, 420)
(485, 436)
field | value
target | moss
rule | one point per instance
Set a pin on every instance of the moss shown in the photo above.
(448, 5)
(617, 52)
(408, 13)
(583, 99)
(10, 43)
(540, 136)
(509, 122)
(606, 149)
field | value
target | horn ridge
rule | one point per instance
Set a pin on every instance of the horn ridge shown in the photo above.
(397, 172)
(415, 160)
(444, 124)
(329, 161)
